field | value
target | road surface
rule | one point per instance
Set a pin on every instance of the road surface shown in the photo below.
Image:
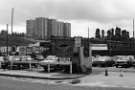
(9, 84)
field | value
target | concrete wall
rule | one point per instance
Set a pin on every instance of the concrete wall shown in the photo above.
(85, 62)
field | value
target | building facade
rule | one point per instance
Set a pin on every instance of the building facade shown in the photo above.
(43, 28)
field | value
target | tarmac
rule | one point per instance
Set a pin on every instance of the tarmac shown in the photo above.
(117, 77)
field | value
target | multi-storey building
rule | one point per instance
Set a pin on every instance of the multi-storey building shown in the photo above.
(54, 28)
(67, 29)
(44, 28)
(60, 29)
(49, 28)
(41, 28)
(30, 26)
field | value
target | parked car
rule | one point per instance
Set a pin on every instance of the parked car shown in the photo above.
(39, 57)
(26, 58)
(12, 58)
(51, 59)
(16, 62)
(124, 61)
(103, 61)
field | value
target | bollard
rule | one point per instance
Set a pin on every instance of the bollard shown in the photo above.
(121, 74)
(106, 72)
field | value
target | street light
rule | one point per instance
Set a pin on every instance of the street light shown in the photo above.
(7, 39)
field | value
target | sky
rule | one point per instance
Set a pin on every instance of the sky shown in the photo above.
(103, 14)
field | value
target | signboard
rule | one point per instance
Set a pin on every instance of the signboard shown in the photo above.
(37, 49)
(77, 41)
(99, 47)
(63, 60)
(29, 50)
(22, 50)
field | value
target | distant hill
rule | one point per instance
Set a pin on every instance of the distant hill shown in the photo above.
(14, 40)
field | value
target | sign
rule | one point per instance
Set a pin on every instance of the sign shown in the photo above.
(29, 50)
(37, 49)
(77, 41)
(22, 50)
(63, 60)
(99, 47)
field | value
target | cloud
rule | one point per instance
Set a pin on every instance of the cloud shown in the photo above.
(109, 12)
(96, 10)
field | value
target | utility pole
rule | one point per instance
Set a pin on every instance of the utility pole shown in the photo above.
(12, 20)
(7, 38)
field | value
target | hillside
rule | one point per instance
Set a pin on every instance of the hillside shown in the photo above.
(13, 40)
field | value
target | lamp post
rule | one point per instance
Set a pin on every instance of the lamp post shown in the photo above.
(7, 39)
(90, 51)
(6, 64)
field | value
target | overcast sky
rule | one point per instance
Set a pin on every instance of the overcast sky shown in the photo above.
(104, 14)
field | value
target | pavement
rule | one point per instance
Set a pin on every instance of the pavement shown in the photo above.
(117, 77)
(113, 69)
(39, 74)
